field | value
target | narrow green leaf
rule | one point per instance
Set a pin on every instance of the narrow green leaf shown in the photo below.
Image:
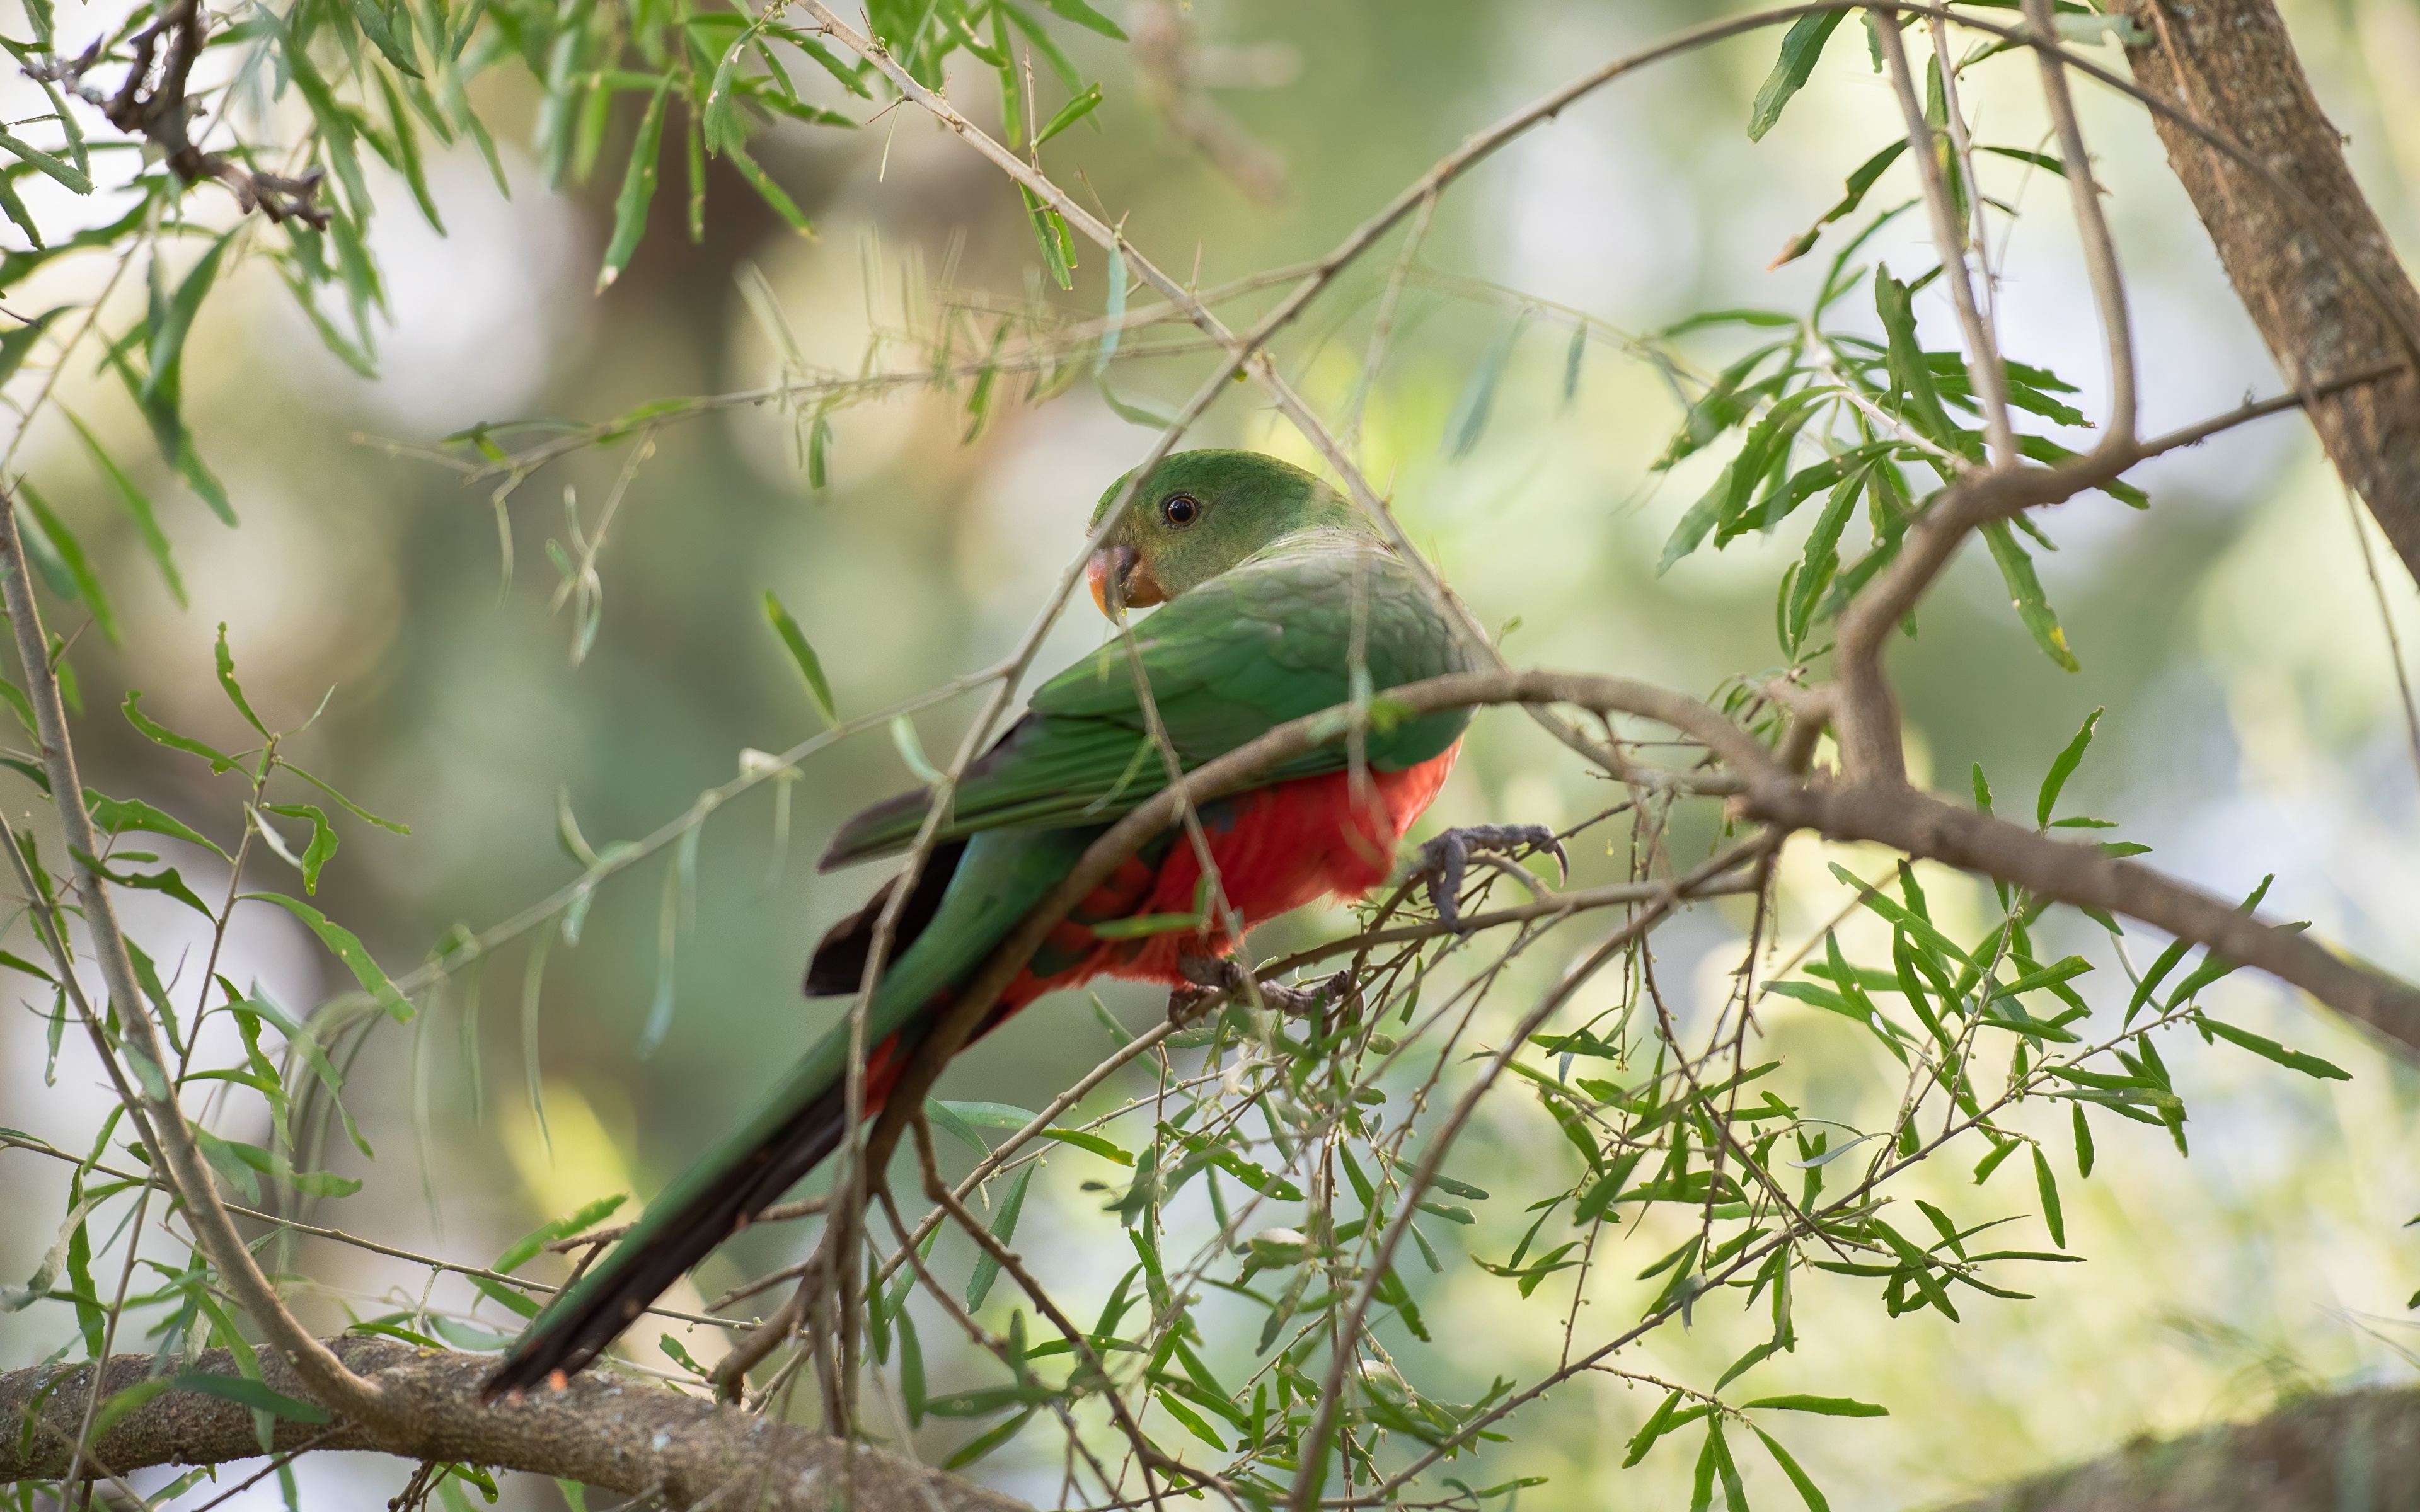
(2083, 1143)
(253, 1393)
(1084, 15)
(2053, 1216)
(1824, 1405)
(1697, 521)
(335, 123)
(407, 143)
(637, 189)
(1910, 372)
(138, 504)
(1193, 1421)
(173, 320)
(324, 839)
(342, 943)
(1659, 1423)
(346, 804)
(72, 557)
(522, 1251)
(154, 731)
(116, 816)
(122, 1404)
(771, 192)
(2063, 768)
(235, 690)
(945, 1118)
(17, 344)
(66, 173)
(1051, 234)
(395, 45)
(2309, 1065)
(1069, 114)
(1808, 1491)
(1701, 1484)
(2025, 592)
(1852, 194)
(1004, 1228)
(1043, 42)
(1082, 1140)
(1478, 401)
(1734, 1494)
(46, 1274)
(1800, 47)
(975, 1449)
(722, 122)
(811, 667)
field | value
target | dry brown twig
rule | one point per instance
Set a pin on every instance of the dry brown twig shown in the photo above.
(163, 116)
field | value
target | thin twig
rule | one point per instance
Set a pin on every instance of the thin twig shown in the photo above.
(1948, 239)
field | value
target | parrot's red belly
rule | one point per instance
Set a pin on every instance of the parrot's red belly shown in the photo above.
(1275, 849)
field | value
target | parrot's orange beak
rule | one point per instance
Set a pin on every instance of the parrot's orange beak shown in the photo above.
(1116, 570)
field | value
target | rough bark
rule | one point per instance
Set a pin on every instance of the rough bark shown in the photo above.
(2359, 1452)
(627, 1436)
(2230, 66)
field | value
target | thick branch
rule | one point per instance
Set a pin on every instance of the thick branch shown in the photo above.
(2229, 65)
(635, 1438)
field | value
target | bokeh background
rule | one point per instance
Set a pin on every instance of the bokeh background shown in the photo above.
(2232, 631)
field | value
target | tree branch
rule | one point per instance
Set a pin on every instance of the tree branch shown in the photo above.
(617, 1434)
(1948, 241)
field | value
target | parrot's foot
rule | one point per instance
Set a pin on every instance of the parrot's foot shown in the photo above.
(1440, 862)
(1216, 978)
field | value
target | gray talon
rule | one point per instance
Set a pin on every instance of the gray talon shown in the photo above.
(1216, 978)
(1441, 861)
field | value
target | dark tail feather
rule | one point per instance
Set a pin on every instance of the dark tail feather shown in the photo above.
(610, 1299)
(839, 963)
(664, 1246)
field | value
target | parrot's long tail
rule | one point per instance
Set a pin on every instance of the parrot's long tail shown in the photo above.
(665, 1243)
(793, 1130)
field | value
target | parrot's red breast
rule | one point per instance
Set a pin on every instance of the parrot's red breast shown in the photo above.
(1277, 848)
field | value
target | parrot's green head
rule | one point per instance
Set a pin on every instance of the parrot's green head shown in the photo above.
(1199, 514)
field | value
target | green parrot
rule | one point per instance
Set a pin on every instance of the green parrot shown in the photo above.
(1263, 572)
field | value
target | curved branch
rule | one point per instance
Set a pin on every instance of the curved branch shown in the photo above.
(635, 1438)
(1867, 712)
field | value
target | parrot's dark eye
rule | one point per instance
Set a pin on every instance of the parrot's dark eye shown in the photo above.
(1180, 510)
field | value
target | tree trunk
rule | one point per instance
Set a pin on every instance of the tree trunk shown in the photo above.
(2230, 65)
(2359, 1452)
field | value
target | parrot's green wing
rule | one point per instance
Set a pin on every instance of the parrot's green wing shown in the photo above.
(1269, 642)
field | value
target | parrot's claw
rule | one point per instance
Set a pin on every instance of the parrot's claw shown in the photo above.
(1440, 862)
(1216, 978)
